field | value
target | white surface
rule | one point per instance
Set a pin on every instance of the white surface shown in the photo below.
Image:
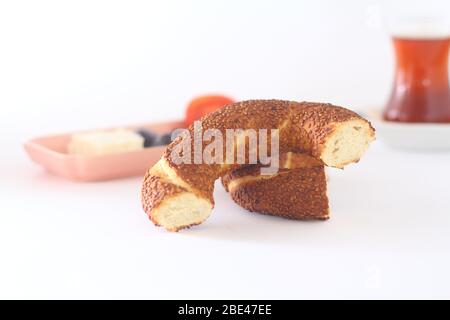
(70, 66)
(388, 237)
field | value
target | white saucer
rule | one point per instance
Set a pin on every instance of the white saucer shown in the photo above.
(411, 136)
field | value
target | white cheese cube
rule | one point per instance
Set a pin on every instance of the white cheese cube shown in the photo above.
(105, 142)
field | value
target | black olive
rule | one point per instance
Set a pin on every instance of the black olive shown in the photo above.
(164, 139)
(150, 138)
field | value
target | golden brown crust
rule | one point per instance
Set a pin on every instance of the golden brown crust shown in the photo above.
(304, 127)
(298, 191)
(295, 194)
(287, 161)
(155, 190)
(251, 114)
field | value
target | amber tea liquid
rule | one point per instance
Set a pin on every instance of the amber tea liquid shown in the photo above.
(421, 88)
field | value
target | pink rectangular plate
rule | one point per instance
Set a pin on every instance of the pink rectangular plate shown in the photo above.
(51, 153)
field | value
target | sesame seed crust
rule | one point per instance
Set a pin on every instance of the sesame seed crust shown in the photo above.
(292, 193)
(297, 191)
(287, 161)
(304, 128)
(155, 190)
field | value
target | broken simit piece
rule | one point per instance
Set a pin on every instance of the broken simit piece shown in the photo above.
(180, 195)
(297, 191)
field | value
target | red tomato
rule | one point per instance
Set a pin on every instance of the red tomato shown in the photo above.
(203, 105)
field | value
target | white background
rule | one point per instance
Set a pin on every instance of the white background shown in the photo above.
(72, 65)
